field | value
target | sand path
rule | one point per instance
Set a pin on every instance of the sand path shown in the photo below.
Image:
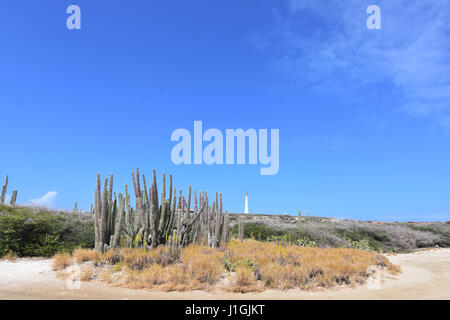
(426, 275)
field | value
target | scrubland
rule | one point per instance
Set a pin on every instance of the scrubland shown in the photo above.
(239, 266)
(33, 231)
(329, 232)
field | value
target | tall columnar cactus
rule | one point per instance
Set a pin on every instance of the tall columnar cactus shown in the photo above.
(299, 218)
(226, 232)
(13, 198)
(241, 230)
(155, 220)
(5, 187)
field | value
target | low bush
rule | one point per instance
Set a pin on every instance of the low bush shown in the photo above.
(82, 255)
(203, 263)
(244, 281)
(440, 230)
(61, 261)
(10, 257)
(86, 274)
(29, 231)
(261, 232)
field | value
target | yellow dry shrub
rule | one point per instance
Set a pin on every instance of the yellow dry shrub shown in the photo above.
(86, 274)
(140, 259)
(130, 255)
(61, 261)
(153, 275)
(105, 275)
(286, 266)
(177, 279)
(244, 281)
(257, 265)
(204, 264)
(84, 255)
(175, 274)
(156, 276)
(283, 277)
(10, 257)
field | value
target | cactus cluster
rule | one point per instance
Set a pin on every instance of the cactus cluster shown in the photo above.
(156, 220)
(3, 195)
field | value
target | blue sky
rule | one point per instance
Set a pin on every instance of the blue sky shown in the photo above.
(364, 115)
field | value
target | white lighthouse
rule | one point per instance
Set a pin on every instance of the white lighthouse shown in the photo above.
(246, 203)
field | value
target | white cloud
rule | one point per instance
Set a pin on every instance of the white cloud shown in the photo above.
(328, 47)
(46, 200)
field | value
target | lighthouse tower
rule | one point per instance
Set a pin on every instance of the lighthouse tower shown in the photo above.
(246, 203)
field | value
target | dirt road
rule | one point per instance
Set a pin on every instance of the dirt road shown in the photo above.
(426, 275)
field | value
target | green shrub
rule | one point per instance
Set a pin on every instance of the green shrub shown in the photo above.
(305, 242)
(263, 233)
(258, 230)
(364, 239)
(28, 231)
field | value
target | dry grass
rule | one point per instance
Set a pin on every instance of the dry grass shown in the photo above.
(63, 275)
(249, 265)
(10, 257)
(86, 274)
(244, 281)
(139, 259)
(203, 264)
(84, 255)
(61, 261)
(157, 277)
(106, 275)
(284, 267)
(177, 279)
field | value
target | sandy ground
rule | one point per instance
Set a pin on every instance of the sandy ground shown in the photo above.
(426, 275)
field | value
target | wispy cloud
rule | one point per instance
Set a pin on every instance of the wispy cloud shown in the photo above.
(328, 47)
(46, 200)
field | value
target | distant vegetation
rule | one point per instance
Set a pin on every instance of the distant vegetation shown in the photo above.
(168, 219)
(328, 232)
(33, 231)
